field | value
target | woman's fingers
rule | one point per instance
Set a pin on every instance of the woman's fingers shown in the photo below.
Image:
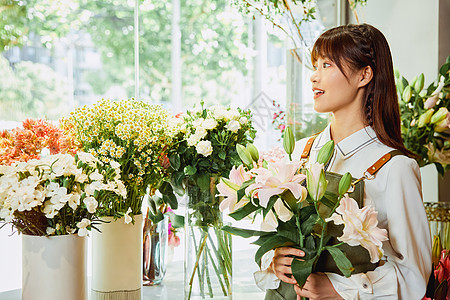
(284, 251)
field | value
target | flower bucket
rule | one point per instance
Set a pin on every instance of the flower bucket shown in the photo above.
(208, 260)
(54, 268)
(116, 260)
(155, 248)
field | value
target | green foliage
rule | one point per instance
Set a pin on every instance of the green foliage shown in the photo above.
(31, 90)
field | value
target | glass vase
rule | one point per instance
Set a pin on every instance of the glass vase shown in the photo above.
(155, 246)
(208, 259)
(438, 214)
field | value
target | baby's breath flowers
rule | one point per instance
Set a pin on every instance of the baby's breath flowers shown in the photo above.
(133, 133)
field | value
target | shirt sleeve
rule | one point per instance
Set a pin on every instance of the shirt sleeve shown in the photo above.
(408, 250)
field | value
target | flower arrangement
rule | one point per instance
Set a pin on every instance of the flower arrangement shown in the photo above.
(133, 133)
(56, 194)
(298, 210)
(23, 144)
(205, 143)
(426, 118)
(205, 150)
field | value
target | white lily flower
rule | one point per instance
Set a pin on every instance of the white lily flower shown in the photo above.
(128, 219)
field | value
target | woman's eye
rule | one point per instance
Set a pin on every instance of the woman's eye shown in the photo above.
(326, 65)
(314, 67)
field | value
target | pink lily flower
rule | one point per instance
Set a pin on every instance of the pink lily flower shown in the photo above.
(360, 227)
(228, 188)
(278, 177)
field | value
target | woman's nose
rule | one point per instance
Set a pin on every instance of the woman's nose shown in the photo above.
(314, 76)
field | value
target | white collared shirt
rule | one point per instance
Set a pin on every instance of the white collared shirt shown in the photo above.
(395, 193)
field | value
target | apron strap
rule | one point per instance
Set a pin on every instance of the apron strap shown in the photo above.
(372, 170)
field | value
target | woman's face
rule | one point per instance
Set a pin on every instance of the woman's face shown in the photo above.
(333, 92)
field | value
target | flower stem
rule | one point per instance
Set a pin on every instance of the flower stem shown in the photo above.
(199, 252)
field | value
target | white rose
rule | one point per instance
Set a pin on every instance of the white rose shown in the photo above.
(232, 113)
(209, 124)
(204, 148)
(243, 120)
(193, 140)
(198, 122)
(233, 126)
(91, 204)
(50, 231)
(200, 132)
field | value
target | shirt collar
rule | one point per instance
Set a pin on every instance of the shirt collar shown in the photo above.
(351, 144)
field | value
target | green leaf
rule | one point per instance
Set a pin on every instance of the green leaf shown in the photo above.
(308, 225)
(342, 262)
(175, 161)
(441, 290)
(244, 211)
(155, 218)
(222, 154)
(289, 230)
(203, 181)
(262, 239)
(301, 269)
(190, 170)
(271, 243)
(245, 233)
(176, 220)
(177, 178)
(271, 203)
(168, 195)
(241, 191)
(306, 211)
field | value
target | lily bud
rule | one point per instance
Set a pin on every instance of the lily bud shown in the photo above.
(423, 93)
(413, 81)
(253, 151)
(344, 183)
(325, 153)
(440, 115)
(407, 93)
(443, 125)
(418, 86)
(315, 181)
(400, 86)
(431, 102)
(425, 118)
(396, 73)
(244, 155)
(288, 140)
(436, 250)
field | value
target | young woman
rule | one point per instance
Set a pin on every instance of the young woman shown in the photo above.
(353, 80)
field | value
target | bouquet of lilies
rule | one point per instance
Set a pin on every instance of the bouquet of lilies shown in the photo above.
(297, 208)
(56, 194)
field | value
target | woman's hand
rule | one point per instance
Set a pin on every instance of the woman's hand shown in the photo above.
(281, 263)
(317, 286)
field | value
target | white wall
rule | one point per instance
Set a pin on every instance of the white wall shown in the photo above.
(412, 30)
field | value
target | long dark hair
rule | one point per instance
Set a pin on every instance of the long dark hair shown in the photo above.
(359, 46)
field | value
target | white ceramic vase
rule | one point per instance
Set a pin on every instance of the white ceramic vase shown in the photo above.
(117, 260)
(54, 268)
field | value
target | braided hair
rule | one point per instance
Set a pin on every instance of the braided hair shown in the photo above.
(359, 46)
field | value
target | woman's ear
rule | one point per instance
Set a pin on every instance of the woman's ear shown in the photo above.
(366, 76)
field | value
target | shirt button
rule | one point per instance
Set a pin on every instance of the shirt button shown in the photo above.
(365, 285)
